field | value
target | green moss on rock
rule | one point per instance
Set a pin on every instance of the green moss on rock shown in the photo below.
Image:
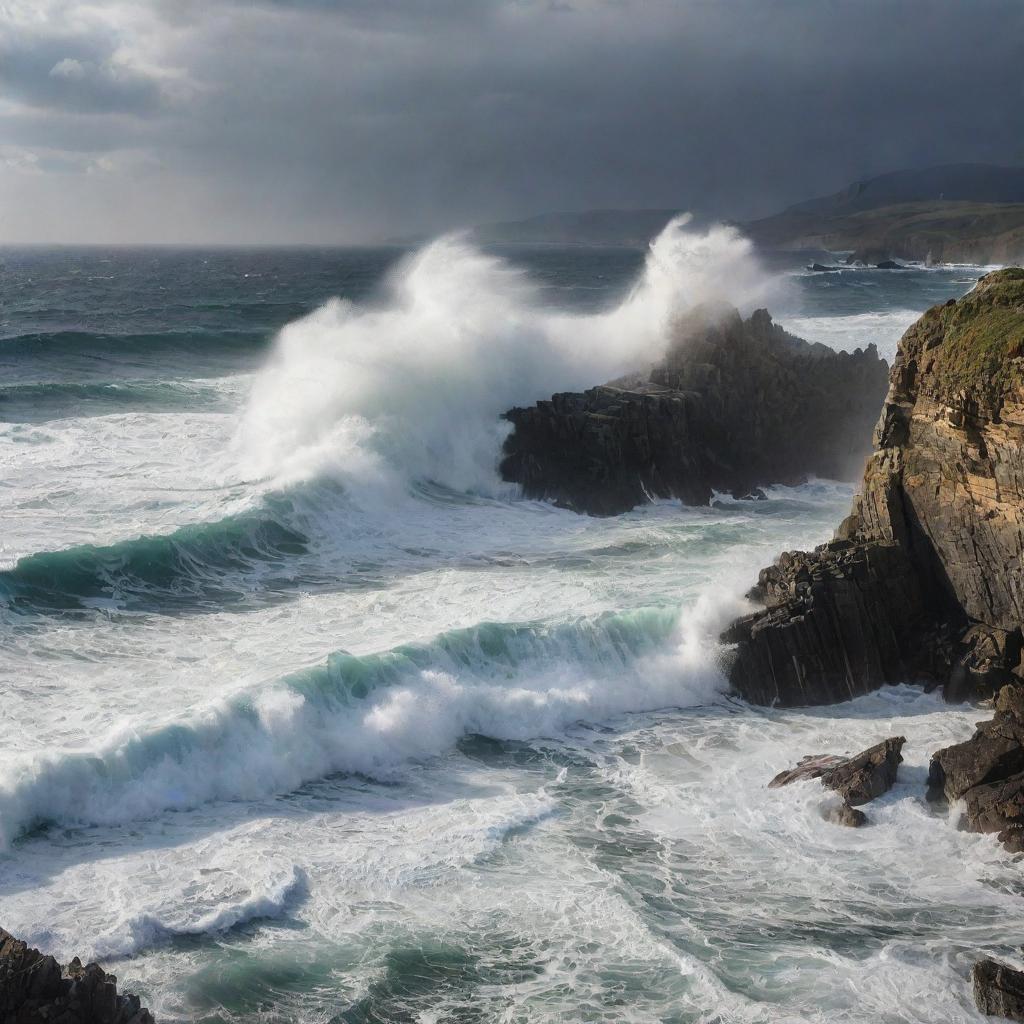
(982, 340)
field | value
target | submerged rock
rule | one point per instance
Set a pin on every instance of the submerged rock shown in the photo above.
(736, 405)
(846, 815)
(889, 265)
(923, 581)
(998, 990)
(35, 989)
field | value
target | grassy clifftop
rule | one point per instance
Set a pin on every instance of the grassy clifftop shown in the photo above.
(973, 347)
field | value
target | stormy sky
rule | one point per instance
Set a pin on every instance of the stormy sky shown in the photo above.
(352, 120)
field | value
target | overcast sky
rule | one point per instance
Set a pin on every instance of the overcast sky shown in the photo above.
(349, 120)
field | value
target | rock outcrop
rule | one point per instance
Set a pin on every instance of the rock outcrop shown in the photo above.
(35, 989)
(923, 581)
(858, 779)
(998, 990)
(867, 775)
(737, 404)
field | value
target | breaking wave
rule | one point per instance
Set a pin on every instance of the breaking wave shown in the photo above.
(414, 386)
(370, 714)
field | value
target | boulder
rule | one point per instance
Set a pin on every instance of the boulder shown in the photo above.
(890, 265)
(735, 405)
(35, 989)
(858, 779)
(998, 990)
(867, 775)
(846, 815)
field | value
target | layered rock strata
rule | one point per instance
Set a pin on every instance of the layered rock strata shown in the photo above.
(736, 405)
(923, 581)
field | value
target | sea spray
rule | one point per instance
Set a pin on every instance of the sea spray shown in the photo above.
(413, 386)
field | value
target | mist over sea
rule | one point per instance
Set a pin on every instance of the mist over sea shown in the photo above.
(308, 716)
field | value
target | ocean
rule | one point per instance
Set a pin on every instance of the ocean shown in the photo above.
(308, 717)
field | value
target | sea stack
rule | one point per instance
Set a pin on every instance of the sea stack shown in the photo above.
(736, 405)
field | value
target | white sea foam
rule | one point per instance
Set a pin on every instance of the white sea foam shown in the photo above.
(856, 330)
(413, 387)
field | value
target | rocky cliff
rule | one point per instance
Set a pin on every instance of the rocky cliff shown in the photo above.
(35, 989)
(737, 404)
(923, 581)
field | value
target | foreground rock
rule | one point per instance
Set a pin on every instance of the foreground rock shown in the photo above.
(858, 779)
(35, 989)
(867, 775)
(998, 990)
(923, 581)
(737, 404)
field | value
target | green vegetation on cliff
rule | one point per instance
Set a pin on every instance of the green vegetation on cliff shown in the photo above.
(979, 339)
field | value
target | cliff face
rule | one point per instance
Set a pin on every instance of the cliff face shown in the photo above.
(737, 404)
(923, 581)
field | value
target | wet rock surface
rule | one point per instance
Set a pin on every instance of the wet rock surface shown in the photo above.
(923, 581)
(846, 815)
(998, 990)
(35, 989)
(867, 775)
(736, 405)
(858, 779)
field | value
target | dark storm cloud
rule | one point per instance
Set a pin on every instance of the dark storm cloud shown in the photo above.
(312, 120)
(66, 71)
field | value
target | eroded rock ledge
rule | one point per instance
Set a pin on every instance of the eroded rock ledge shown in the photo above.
(35, 989)
(736, 405)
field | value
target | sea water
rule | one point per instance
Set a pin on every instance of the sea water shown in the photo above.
(306, 716)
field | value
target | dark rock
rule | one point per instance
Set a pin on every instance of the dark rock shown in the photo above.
(998, 990)
(996, 806)
(923, 581)
(34, 989)
(822, 269)
(867, 775)
(846, 815)
(994, 752)
(858, 779)
(890, 265)
(735, 405)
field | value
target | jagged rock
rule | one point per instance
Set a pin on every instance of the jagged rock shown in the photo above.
(821, 268)
(34, 989)
(993, 753)
(923, 581)
(889, 265)
(813, 766)
(998, 990)
(996, 806)
(735, 405)
(858, 779)
(867, 775)
(846, 815)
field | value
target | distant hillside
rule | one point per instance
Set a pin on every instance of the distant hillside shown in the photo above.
(964, 213)
(969, 213)
(977, 183)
